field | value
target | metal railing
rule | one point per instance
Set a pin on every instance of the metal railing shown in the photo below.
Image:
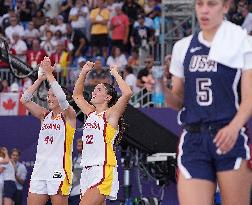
(141, 99)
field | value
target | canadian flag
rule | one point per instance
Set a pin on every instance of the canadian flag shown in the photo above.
(10, 104)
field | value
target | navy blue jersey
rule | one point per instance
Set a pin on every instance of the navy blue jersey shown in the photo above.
(211, 89)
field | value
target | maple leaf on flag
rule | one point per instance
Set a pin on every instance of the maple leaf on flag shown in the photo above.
(9, 105)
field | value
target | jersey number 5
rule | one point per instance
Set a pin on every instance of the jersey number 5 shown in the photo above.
(204, 92)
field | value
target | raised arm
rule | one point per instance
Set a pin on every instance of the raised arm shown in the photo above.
(115, 112)
(78, 97)
(35, 109)
(58, 92)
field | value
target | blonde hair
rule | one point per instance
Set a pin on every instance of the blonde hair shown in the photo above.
(2, 154)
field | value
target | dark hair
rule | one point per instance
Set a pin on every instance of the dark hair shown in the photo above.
(15, 150)
(112, 92)
(129, 69)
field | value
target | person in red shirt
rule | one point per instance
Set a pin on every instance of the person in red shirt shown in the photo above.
(120, 28)
(36, 54)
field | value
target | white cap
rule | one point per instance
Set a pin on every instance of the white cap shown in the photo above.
(81, 59)
(14, 87)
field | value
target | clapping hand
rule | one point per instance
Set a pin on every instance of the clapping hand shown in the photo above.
(46, 66)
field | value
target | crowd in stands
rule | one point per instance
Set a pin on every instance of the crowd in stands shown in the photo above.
(108, 32)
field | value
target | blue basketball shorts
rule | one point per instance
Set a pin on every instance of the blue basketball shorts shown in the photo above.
(197, 157)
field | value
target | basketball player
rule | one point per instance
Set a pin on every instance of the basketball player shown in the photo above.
(99, 178)
(213, 146)
(52, 172)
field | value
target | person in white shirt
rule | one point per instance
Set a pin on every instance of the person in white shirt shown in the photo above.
(49, 45)
(10, 189)
(20, 174)
(52, 8)
(74, 197)
(78, 17)
(19, 46)
(131, 79)
(61, 26)
(48, 26)
(14, 28)
(117, 58)
(30, 33)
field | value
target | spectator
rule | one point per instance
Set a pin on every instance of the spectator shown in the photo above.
(149, 62)
(6, 87)
(4, 64)
(48, 44)
(26, 83)
(141, 38)
(131, 79)
(61, 26)
(48, 26)
(4, 159)
(75, 72)
(247, 23)
(4, 8)
(78, 17)
(58, 37)
(38, 19)
(79, 41)
(35, 55)
(117, 58)
(20, 174)
(14, 87)
(60, 59)
(143, 78)
(99, 18)
(5, 22)
(141, 34)
(74, 198)
(167, 74)
(98, 74)
(30, 33)
(149, 7)
(133, 59)
(19, 46)
(33, 8)
(132, 9)
(51, 8)
(14, 28)
(148, 22)
(120, 28)
(111, 8)
(10, 188)
(65, 8)
(24, 11)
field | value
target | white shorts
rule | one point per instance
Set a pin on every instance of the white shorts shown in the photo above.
(49, 187)
(105, 178)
